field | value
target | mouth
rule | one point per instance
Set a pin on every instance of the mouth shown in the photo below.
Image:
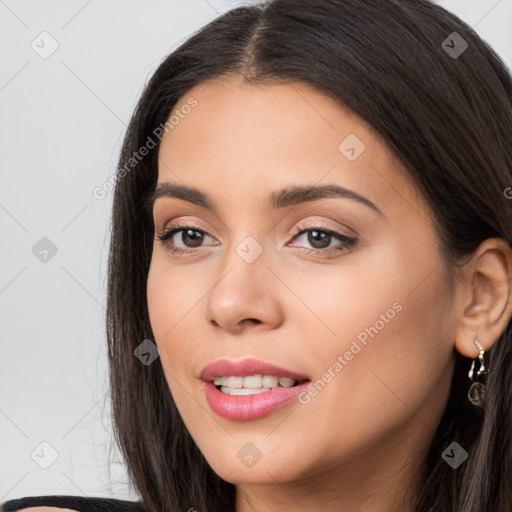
(249, 376)
(253, 384)
(240, 404)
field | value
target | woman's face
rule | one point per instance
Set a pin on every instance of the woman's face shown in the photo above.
(365, 318)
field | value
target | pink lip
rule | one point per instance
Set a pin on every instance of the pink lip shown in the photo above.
(227, 368)
(248, 407)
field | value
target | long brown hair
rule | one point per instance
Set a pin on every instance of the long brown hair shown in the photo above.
(448, 118)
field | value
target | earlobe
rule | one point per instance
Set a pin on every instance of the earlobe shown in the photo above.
(487, 308)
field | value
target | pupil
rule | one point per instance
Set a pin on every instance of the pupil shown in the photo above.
(324, 239)
(196, 240)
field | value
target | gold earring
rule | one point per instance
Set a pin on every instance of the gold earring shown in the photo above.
(476, 393)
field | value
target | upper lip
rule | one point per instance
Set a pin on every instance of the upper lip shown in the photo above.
(245, 367)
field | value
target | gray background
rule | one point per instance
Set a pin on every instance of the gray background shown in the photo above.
(62, 119)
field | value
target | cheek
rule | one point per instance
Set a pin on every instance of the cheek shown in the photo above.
(356, 299)
(171, 296)
(391, 348)
(171, 300)
(173, 293)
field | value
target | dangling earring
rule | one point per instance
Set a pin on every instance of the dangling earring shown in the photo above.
(476, 393)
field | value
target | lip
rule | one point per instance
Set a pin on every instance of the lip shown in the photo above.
(248, 407)
(248, 366)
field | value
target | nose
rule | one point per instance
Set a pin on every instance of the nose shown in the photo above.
(245, 295)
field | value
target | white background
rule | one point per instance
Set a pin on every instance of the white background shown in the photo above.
(62, 120)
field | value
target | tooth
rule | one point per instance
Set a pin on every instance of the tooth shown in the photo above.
(242, 391)
(235, 382)
(286, 382)
(270, 381)
(252, 381)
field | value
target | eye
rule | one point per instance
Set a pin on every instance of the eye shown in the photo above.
(320, 237)
(191, 236)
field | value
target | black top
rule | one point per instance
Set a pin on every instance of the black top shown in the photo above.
(81, 503)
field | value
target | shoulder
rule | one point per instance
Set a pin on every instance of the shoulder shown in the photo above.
(62, 503)
(46, 509)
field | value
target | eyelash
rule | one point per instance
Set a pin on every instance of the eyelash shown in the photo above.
(348, 242)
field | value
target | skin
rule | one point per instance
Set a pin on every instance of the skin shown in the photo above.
(358, 443)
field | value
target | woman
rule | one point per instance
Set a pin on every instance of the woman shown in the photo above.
(310, 267)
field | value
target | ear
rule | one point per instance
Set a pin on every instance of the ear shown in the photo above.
(485, 297)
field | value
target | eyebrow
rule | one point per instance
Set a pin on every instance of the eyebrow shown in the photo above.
(288, 196)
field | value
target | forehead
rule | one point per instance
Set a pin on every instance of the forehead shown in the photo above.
(248, 138)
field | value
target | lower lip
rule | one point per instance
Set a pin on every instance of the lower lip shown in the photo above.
(248, 407)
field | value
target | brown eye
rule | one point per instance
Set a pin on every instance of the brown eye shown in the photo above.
(191, 237)
(319, 239)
